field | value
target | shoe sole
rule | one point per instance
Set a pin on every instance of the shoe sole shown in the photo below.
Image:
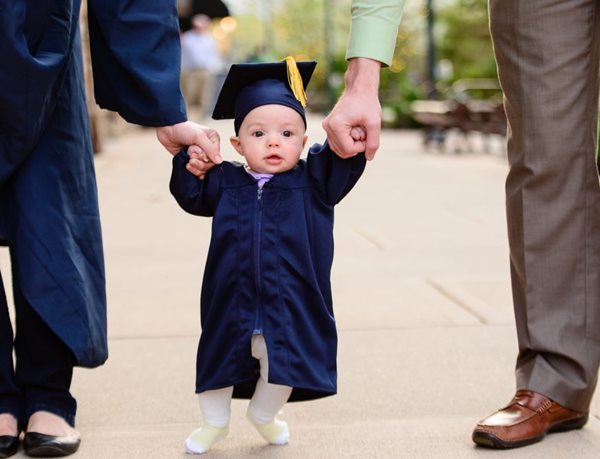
(50, 451)
(489, 440)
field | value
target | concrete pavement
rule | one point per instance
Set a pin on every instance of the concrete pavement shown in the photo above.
(421, 294)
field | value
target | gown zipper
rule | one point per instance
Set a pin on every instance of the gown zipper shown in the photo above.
(258, 323)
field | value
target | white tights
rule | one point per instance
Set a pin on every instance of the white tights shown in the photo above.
(266, 401)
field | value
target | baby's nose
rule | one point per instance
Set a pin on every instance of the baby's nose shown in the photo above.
(273, 140)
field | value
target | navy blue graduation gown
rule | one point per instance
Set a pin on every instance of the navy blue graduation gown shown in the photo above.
(48, 200)
(268, 268)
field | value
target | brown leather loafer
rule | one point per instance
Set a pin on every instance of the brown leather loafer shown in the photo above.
(527, 419)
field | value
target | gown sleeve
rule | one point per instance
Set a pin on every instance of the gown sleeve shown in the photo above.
(197, 197)
(136, 56)
(334, 176)
(36, 42)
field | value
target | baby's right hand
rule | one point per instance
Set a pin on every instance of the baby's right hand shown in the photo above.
(199, 163)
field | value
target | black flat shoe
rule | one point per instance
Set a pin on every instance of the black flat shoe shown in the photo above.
(8, 445)
(41, 445)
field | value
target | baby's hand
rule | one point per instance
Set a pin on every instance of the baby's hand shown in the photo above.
(199, 163)
(359, 135)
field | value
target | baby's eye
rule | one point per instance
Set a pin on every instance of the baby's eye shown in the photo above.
(258, 133)
(287, 133)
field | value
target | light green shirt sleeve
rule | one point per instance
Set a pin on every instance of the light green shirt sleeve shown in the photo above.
(374, 29)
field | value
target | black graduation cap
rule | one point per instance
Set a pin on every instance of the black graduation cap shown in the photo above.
(248, 86)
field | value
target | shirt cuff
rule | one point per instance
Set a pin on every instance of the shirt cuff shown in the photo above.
(374, 39)
(374, 30)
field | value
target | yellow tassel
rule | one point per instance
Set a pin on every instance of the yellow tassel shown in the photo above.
(295, 80)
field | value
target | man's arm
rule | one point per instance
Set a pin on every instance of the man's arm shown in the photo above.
(357, 107)
(371, 44)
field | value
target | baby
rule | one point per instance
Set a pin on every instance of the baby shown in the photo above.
(268, 329)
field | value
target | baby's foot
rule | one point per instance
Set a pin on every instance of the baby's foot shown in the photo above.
(275, 432)
(202, 439)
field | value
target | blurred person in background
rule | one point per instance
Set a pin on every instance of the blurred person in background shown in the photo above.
(48, 198)
(200, 62)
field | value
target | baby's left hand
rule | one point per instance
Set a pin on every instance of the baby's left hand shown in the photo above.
(359, 135)
(199, 163)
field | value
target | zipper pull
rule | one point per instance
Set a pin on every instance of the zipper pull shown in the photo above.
(259, 193)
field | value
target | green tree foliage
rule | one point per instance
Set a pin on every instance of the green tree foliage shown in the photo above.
(272, 29)
(463, 38)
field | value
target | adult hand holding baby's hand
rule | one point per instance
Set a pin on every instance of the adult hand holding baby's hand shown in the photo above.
(181, 135)
(199, 163)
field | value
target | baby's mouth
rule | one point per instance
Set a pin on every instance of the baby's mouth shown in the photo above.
(273, 158)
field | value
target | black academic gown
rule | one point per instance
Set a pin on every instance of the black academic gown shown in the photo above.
(48, 199)
(268, 268)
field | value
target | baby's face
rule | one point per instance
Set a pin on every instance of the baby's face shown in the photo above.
(271, 138)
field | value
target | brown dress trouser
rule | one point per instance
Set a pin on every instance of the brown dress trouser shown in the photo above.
(547, 54)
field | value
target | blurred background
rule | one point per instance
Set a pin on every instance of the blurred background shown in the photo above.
(442, 78)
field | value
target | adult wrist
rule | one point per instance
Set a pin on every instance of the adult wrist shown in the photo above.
(362, 75)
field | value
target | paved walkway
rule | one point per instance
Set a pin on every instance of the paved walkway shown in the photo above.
(421, 293)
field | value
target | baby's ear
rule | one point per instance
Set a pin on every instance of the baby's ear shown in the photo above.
(235, 142)
(304, 141)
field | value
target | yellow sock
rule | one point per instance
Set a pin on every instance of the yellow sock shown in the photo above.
(275, 432)
(201, 440)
